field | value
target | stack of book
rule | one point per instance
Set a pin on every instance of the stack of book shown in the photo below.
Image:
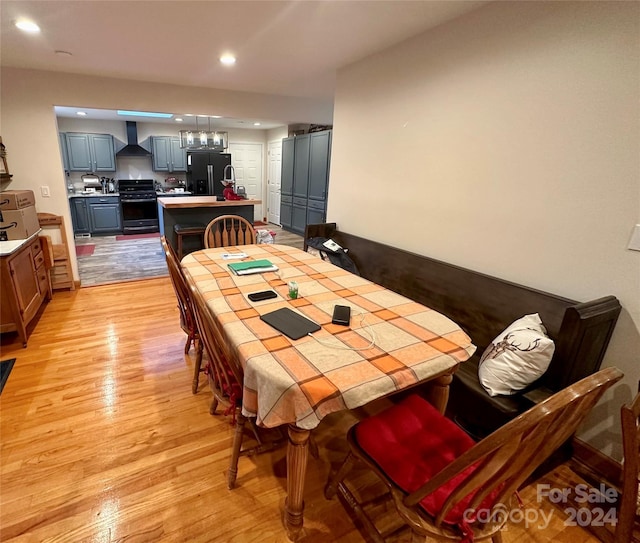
(253, 266)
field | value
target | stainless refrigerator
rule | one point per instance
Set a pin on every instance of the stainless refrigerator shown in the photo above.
(205, 171)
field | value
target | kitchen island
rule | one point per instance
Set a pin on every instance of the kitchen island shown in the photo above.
(198, 209)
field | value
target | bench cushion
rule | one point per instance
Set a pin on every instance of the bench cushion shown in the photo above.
(473, 409)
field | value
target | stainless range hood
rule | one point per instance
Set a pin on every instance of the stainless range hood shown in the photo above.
(132, 149)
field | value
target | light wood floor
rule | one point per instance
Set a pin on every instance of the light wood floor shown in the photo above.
(102, 440)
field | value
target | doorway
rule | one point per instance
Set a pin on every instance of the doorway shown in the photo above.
(246, 159)
(274, 151)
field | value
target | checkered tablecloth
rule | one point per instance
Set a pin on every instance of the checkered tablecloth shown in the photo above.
(302, 381)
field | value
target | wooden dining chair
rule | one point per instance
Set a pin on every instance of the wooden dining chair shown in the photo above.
(629, 508)
(442, 483)
(226, 378)
(228, 230)
(187, 318)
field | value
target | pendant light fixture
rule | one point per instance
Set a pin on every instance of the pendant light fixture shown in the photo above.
(203, 139)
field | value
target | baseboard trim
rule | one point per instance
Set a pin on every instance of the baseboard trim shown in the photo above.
(598, 465)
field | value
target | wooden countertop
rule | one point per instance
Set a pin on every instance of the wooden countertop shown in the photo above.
(186, 202)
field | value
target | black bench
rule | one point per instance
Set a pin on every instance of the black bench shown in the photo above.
(483, 306)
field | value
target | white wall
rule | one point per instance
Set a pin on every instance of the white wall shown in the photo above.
(507, 141)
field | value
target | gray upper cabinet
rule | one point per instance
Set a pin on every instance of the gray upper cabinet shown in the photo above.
(63, 151)
(286, 183)
(286, 178)
(319, 157)
(167, 154)
(301, 166)
(90, 152)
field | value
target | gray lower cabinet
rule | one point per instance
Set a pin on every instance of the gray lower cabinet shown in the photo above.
(90, 152)
(167, 154)
(80, 215)
(299, 215)
(286, 210)
(316, 211)
(104, 215)
(96, 215)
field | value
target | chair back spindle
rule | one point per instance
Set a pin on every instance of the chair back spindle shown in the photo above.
(229, 230)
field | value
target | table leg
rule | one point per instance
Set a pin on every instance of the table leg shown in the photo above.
(297, 453)
(438, 390)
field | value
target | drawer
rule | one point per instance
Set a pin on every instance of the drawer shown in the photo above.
(43, 280)
(37, 245)
(300, 202)
(104, 200)
(38, 259)
(316, 204)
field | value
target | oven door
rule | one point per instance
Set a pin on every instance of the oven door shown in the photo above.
(139, 215)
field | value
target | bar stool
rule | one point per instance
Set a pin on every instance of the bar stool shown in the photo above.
(183, 230)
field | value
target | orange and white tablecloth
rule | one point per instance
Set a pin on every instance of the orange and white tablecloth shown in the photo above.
(302, 381)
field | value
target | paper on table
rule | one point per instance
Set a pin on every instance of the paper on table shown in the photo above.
(230, 256)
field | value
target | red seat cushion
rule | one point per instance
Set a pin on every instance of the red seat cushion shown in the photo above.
(411, 442)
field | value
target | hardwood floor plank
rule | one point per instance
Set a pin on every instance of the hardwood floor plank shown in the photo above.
(103, 441)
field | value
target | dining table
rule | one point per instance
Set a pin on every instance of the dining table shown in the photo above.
(391, 343)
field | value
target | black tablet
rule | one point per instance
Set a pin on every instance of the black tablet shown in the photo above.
(290, 323)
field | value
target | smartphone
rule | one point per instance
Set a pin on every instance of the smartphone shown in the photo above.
(262, 295)
(341, 315)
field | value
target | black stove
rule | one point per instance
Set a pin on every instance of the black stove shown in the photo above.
(138, 202)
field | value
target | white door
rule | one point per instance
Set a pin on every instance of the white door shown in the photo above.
(246, 159)
(274, 150)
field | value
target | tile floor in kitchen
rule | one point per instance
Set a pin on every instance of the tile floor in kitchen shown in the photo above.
(112, 259)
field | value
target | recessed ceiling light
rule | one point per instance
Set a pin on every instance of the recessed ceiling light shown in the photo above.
(228, 60)
(256, 124)
(81, 113)
(178, 119)
(216, 116)
(27, 26)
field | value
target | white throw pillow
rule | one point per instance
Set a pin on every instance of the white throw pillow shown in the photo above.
(517, 357)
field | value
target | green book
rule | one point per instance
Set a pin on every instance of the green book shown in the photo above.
(252, 266)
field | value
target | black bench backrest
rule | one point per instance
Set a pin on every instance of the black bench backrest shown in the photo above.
(483, 306)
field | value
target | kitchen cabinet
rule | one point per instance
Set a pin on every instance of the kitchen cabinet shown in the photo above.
(104, 214)
(286, 211)
(23, 288)
(319, 156)
(167, 154)
(304, 180)
(90, 152)
(80, 215)
(286, 182)
(62, 138)
(96, 214)
(301, 166)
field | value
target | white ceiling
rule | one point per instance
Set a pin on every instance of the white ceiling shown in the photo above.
(291, 48)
